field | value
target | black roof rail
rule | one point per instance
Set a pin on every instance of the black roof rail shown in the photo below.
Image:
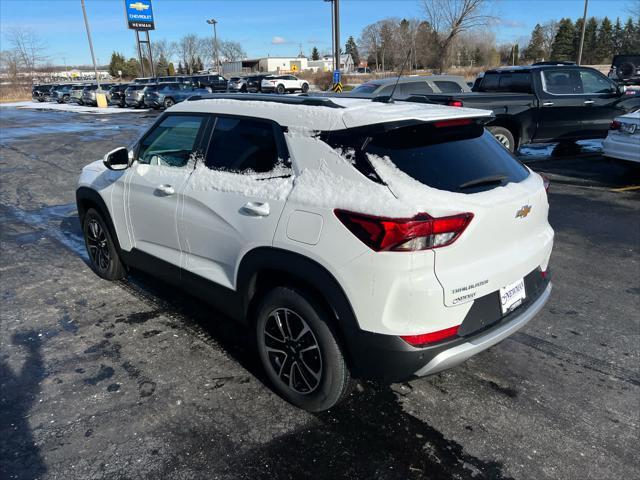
(275, 98)
(552, 63)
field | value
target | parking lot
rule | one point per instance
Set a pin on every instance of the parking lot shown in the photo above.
(137, 380)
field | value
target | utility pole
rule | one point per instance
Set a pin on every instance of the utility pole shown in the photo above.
(214, 22)
(584, 24)
(93, 57)
(336, 33)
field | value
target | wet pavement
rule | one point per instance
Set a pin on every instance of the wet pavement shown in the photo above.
(137, 380)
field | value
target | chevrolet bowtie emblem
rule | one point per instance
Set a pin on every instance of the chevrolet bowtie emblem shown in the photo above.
(139, 6)
(524, 211)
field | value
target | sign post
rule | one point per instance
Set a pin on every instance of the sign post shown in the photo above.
(337, 84)
(139, 15)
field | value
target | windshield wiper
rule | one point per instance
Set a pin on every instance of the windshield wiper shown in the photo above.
(483, 181)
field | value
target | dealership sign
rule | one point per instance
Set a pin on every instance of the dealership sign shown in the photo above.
(139, 14)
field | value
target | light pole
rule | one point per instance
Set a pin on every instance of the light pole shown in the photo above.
(214, 22)
(584, 24)
(93, 57)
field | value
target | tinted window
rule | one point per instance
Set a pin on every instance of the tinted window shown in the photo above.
(517, 82)
(446, 86)
(412, 88)
(560, 82)
(365, 88)
(238, 145)
(592, 82)
(447, 158)
(171, 142)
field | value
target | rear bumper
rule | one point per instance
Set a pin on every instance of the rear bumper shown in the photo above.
(388, 358)
(622, 147)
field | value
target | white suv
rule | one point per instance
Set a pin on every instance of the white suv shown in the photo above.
(283, 84)
(356, 239)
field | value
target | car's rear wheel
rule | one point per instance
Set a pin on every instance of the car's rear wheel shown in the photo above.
(504, 136)
(168, 102)
(103, 254)
(300, 351)
(280, 89)
(65, 99)
(305, 87)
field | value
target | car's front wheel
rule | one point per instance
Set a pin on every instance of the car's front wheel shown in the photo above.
(168, 102)
(300, 351)
(280, 89)
(103, 254)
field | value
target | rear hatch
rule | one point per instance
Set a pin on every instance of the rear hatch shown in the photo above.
(454, 167)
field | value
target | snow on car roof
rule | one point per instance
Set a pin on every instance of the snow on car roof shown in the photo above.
(337, 114)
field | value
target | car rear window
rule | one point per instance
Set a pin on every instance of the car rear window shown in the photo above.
(447, 86)
(516, 82)
(456, 158)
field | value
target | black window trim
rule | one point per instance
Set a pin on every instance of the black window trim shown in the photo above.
(577, 73)
(281, 144)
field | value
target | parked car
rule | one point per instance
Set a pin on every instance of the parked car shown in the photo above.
(411, 85)
(625, 69)
(254, 83)
(37, 92)
(623, 139)
(48, 92)
(390, 258)
(75, 96)
(544, 103)
(62, 93)
(134, 94)
(166, 95)
(210, 82)
(144, 80)
(89, 93)
(361, 70)
(283, 84)
(237, 84)
(116, 94)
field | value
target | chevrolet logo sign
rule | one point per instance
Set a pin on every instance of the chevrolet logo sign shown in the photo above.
(524, 211)
(139, 6)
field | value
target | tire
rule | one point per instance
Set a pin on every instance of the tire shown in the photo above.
(305, 87)
(65, 99)
(80, 102)
(282, 318)
(103, 254)
(504, 136)
(627, 69)
(168, 102)
(280, 89)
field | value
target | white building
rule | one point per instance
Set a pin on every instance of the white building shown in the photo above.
(283, 64)
(325, 64)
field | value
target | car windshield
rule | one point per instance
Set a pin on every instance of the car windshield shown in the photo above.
(366, 88)
(444, 155)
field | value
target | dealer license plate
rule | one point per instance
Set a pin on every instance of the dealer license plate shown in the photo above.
(628, 128)
(512, 296)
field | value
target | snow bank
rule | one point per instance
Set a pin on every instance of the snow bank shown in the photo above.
(71, 107)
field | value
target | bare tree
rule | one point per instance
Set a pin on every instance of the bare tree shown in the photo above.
(449, 18)
(369, 42)
(232, 51)
(189, 48)
(549, 31)
(27, 46)
(9, 63)
(162, 48)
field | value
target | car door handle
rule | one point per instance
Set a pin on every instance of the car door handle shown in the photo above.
(256, 209)
(547, 104)
(589, 102)
(166, 189)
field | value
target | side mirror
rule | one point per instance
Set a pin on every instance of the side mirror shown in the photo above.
(117, 159)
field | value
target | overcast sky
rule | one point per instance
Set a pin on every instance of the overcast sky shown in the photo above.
(263, 27)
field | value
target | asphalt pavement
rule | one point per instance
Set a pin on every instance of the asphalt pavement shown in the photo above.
(135, 379)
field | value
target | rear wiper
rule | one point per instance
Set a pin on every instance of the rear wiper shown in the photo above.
(483, 181)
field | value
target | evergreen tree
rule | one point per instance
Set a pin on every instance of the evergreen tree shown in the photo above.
(187, 68)
(590, 42)
(131, 68)
(171, 69)
(117, 63)
(618, 37)
(198, 65)
(352, 49)
(562, 48)
(162, 66)
(180, 69)
(604, 51)
(535, 49)
(576, 39)
(628, 38)
(315, 54)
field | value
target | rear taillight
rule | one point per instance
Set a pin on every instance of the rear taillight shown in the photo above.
(614, 125)
(421, 232)
(455, 103)
(433, 337)
(456, 122)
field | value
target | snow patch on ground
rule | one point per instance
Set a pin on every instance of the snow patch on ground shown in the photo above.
(71, 107)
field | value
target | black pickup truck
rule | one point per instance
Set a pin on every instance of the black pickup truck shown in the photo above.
(544, 103)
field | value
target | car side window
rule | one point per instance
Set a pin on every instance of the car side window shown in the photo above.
(446, 86)
(242, 145)
(560, 82)
(171, 142)
(591, 82)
